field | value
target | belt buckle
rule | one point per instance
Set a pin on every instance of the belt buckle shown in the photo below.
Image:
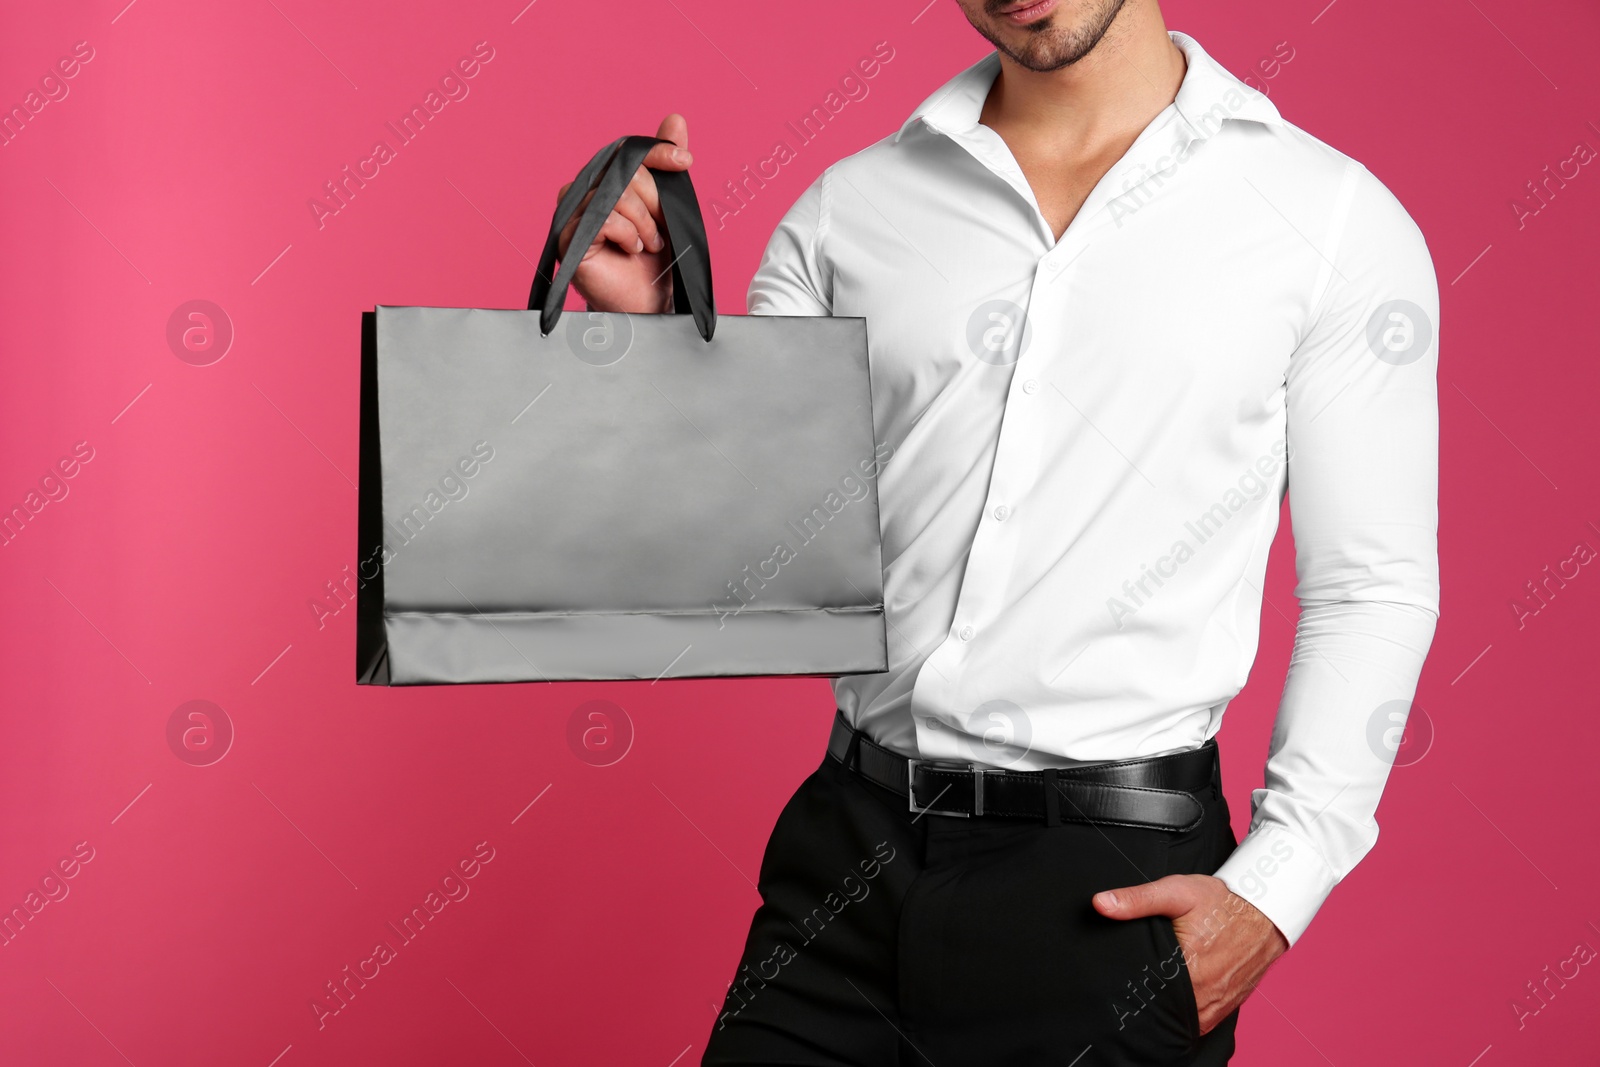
(976, 771)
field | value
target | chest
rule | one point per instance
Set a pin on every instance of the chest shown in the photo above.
(1189, 300)
(1061, 179)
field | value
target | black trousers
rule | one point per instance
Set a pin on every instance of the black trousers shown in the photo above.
(887, 938)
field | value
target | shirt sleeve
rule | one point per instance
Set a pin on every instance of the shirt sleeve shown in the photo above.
(1363, 488)
(791, 279)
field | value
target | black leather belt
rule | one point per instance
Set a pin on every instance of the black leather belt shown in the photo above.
(1157, 792)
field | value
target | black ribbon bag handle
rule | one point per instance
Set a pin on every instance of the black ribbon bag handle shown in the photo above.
(607, 175)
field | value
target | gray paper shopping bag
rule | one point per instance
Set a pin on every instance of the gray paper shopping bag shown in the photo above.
(602, 496)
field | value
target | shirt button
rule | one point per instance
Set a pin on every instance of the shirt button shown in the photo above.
(966, 633)
(1002, 513)
(1030, 387)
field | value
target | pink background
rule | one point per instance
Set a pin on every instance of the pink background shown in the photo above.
(182, 563)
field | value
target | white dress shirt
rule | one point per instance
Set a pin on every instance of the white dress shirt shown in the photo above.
(1092, 438)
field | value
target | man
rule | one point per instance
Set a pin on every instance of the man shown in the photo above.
(1117, 308)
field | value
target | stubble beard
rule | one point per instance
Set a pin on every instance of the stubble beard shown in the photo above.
(1049, 47)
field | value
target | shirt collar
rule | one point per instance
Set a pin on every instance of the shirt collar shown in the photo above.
(1208, 97)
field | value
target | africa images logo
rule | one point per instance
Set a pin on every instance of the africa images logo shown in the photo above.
(1399, 332)
(998, 332)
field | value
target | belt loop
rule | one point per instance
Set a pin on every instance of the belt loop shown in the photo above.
(852, 754)
(1052, 798)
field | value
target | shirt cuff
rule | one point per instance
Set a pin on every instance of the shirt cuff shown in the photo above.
(1282, 875)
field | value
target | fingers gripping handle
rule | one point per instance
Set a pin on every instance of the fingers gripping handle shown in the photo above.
(607, 174)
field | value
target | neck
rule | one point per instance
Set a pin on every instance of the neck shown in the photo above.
(1128, 79)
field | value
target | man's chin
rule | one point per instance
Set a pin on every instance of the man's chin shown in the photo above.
(1040, 54)
(1047, 42)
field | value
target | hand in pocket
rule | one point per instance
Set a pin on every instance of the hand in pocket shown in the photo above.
(1227, 943)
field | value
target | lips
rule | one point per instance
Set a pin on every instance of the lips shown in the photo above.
(1025, 13)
